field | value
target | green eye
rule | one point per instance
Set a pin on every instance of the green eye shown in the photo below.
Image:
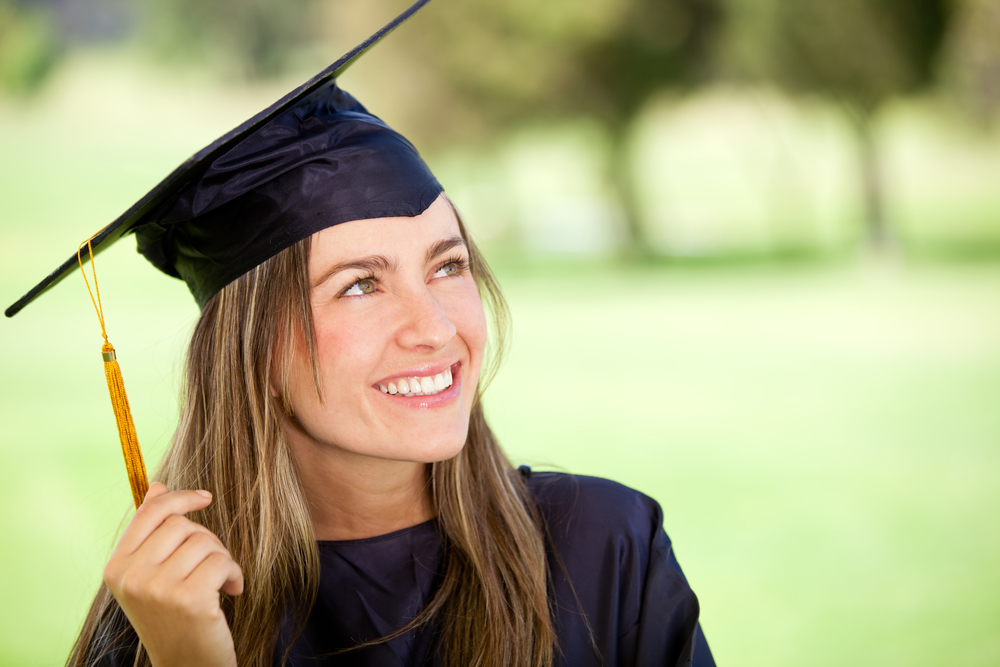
(363, 286)
(448, 269)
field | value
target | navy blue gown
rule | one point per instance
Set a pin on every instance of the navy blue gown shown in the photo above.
(626, 584)
(610, 538)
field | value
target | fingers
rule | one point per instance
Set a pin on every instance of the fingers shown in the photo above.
(189, 555)
(217, 572)
(166, 574)
(157, 509)
(169, 536)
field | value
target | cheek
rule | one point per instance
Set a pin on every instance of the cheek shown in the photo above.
(345, 353)
(470, 322)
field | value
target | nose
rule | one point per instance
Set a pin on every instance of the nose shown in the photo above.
(425, 326)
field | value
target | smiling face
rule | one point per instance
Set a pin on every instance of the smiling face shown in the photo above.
(400, 333)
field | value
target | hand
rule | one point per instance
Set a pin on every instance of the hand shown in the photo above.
(166, 574)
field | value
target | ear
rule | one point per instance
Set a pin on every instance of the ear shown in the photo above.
(277, 369)
(276, 389)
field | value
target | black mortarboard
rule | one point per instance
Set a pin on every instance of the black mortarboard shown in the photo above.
(311, 160)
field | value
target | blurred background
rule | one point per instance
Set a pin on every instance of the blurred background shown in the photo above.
(752, 249)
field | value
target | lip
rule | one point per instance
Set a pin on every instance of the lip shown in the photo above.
(427, 402)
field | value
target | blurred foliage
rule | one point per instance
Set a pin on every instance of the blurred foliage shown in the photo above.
(253, 39)
(861, 53)
(29, 47)
(474, 72)
(507, 61)
(512, 62)
(973, 56)
(516, 61)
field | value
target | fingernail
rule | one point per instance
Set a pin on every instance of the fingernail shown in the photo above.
(203, 493)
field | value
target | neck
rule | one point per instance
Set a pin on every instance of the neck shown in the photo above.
(352, 496)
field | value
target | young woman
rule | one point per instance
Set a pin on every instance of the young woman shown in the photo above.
(338, 506)
(333, 494)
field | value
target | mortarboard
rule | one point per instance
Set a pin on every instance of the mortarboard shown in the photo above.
(313, 159)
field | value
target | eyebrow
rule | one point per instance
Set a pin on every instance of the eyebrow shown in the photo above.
(444, 246)
(370, 264)
(382, 264)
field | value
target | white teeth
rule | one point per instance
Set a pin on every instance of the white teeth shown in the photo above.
(420, 386)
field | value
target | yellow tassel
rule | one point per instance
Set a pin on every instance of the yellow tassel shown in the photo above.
(134, 464)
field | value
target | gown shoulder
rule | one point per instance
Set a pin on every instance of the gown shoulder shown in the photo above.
(592, 503)
(618, 588)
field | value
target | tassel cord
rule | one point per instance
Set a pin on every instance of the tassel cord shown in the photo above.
(131, 452)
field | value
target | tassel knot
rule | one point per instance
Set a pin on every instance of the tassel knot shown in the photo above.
(134, 464)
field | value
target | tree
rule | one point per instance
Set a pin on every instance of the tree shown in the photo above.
(658, 44)
(499, 63)
(862, 53)
(973, 56)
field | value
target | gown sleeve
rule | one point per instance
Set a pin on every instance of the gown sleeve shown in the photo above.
(668, 603)
(620, 597)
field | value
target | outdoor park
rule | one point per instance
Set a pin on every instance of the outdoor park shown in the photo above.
(751, 250)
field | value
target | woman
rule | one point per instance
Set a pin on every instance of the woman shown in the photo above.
(333, 494)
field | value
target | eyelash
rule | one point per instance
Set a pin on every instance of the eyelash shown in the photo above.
(461, 264)
(369, 276)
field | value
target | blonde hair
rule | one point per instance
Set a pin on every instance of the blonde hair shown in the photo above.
(491, 608)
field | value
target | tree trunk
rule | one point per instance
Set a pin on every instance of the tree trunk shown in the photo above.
(636, 244)
(877, 234)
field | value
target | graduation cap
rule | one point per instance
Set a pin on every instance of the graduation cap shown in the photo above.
(313, 159)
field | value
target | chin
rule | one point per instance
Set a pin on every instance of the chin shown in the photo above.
(432, 450)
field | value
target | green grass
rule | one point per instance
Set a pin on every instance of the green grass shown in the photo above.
(823, 443)
(823, 439)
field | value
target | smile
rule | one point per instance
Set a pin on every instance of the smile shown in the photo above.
(419, 386)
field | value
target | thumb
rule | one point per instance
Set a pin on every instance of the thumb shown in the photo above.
(155, 491)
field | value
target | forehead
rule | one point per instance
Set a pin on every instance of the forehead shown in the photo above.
(395, 238)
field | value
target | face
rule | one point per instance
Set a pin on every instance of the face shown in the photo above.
(400, 333)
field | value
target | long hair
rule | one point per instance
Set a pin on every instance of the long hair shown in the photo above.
(491, 608)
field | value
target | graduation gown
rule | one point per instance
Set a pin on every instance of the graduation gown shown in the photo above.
(626, 585)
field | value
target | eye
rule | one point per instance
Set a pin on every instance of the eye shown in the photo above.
(360, 288)
(449, 269)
